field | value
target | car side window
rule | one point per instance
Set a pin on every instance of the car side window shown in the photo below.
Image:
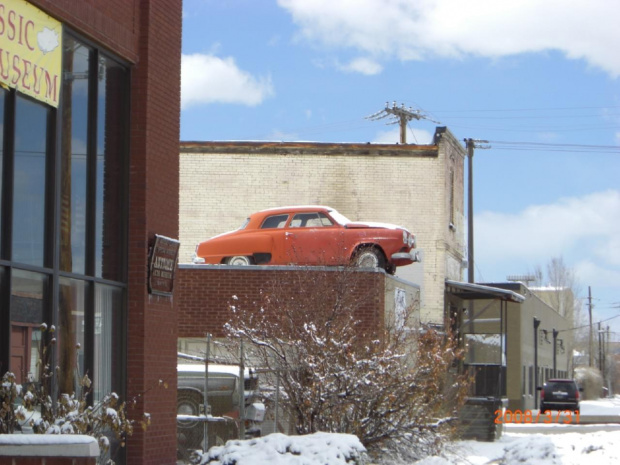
(275, 221)
(310, 220)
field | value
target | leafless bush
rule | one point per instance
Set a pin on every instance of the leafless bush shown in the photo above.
(31, 405)
(338, 373)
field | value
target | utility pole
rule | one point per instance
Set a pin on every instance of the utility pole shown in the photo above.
(555, 352)
(470, 144)
(536, 325)
(590, 315)
(401, 116)
(600, 350)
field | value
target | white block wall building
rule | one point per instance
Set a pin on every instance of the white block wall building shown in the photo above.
(417, 186)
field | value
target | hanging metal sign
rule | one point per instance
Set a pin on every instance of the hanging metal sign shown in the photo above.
(162, 265)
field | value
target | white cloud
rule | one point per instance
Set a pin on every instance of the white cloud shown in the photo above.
(590, 272)
(583, 229)
(392, 136)
(209, 79)
(362, 65)
(414, 30)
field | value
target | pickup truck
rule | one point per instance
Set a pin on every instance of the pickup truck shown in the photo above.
(222, 417)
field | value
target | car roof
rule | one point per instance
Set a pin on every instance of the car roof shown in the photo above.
(560, 380)
(294, 208)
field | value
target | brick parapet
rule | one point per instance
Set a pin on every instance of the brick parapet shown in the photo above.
(204, 294)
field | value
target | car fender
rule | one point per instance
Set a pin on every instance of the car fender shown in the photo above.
(189, 389)
(361, 245)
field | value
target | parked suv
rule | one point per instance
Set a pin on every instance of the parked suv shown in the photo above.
(559, 394)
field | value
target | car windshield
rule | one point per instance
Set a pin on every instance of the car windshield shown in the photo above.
(245, 223)
(340, 219)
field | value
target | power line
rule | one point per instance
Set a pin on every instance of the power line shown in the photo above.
(588, 325)
(505, 110)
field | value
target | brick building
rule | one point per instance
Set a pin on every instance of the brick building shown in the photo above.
(205, 293)
(416, 186)
(89, 109)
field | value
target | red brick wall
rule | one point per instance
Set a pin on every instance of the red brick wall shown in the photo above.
(114, 24)
(204, 294)
(153, 209)
(148, 34)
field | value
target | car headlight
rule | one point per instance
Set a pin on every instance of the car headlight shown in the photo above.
(408, 239)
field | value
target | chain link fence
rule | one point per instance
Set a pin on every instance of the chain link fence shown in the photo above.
(222, 416)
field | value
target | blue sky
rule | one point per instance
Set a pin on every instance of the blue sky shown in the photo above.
(539, 79)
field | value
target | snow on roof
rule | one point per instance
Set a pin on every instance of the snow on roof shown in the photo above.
(297, 208)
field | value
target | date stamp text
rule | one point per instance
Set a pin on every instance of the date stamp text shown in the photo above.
(565, 417)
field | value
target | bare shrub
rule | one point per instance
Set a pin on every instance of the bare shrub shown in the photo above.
(31, 405)
(344, 369)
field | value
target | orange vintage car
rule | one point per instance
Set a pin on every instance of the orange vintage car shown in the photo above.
(310, 235)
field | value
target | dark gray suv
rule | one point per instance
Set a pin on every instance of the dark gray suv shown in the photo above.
(559, 394)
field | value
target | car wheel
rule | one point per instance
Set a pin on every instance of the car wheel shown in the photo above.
(188, 403)
(369, 257)
(240, 260)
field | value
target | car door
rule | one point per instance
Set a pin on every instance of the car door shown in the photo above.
(274, 227)
(314, 239)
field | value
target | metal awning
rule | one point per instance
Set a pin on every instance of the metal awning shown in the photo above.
(470, 291)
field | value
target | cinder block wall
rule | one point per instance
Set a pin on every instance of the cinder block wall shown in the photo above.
(416, 186)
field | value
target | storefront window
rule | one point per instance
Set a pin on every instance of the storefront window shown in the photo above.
(74, 157)
(107, 337)
(111, 137)
(29, 181)
(71, 328)
(64, 172)
(2, 99)
(28, 311)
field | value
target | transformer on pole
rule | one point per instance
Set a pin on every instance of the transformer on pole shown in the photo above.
(401, 116)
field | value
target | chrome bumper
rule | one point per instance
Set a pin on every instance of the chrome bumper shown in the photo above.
(413, 257)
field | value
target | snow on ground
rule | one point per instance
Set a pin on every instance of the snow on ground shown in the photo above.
(280, 449)
(599, 448)
(553, 444)
(557, 444)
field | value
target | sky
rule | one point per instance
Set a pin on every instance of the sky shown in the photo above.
(538, 79)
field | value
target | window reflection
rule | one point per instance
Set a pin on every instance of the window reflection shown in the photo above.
(2, 98)
(28, 294)
(29, 182)
(85, 213)
(108, 302)
(71, 328)
(111, 136)
(73, 157)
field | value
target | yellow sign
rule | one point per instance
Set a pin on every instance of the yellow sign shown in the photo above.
(30, 51)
